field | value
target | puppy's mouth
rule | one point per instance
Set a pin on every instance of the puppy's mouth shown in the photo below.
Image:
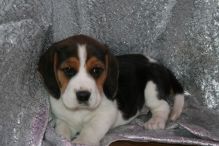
(83, 106)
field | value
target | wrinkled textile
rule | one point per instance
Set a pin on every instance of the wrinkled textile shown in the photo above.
(181, 34)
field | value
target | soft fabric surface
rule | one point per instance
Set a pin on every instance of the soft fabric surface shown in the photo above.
(183, 35)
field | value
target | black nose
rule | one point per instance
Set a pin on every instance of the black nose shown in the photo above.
(83, 96)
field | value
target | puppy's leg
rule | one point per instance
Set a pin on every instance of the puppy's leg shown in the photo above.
(63, 129)
(94, 131)
(159, 108)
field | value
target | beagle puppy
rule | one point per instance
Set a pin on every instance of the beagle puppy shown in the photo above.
(93, 91)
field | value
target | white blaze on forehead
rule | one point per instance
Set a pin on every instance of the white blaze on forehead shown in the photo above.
(83, 80)
(82, 53)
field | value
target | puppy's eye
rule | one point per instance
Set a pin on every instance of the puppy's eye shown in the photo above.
(96, 71)
(69, 72)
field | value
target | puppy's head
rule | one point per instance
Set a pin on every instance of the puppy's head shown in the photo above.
(80, 71)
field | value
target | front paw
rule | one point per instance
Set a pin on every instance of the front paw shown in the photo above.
(63, 132)
(87, 142)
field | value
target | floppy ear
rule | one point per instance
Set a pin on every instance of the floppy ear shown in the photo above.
(111, 83)
(46, 67)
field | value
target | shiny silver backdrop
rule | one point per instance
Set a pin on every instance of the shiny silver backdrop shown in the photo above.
(181, 34)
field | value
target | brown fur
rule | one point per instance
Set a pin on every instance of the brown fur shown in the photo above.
(72, 62)
(63, 80)
(94, 62)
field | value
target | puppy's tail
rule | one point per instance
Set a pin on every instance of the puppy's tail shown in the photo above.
(178, 97)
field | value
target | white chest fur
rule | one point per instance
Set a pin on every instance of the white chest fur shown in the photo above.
(76, 119)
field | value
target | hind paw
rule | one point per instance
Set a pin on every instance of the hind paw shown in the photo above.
(155, 123)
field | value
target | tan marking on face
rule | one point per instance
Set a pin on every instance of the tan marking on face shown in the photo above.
(100, 81)
(72, 62)
(62, 78)
(94, 62)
